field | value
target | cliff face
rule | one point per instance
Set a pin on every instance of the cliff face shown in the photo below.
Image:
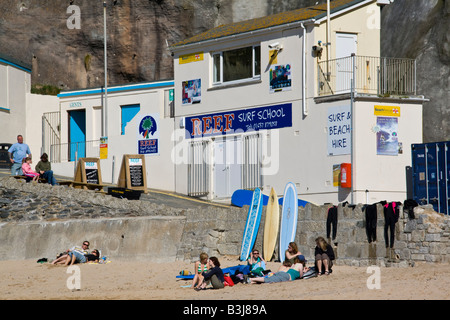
(36, 32)
(138, 32)
(421, 31)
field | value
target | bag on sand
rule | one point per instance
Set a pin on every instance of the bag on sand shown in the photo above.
(311, 273)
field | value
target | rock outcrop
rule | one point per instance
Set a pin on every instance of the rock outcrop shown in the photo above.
(64, 43)
(421, 31)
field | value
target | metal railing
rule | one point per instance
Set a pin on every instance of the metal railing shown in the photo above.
(251, 167)
(66, 152)
(50, 130)
(373, 75)
(198, 169)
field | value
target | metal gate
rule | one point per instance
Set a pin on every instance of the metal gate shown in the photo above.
(431, 173)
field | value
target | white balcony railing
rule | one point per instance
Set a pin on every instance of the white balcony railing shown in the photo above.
(373, 75)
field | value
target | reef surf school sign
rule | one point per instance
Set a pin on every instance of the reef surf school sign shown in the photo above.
(245, 120)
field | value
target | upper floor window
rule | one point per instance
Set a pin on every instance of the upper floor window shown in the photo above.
(237, 64)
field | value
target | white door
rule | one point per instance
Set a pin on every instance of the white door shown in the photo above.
(346, 45)
(227, 166)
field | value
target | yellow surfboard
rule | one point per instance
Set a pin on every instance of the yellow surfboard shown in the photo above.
(271, 225)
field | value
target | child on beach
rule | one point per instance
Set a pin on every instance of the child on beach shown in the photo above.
(27, 171)
(200, 266)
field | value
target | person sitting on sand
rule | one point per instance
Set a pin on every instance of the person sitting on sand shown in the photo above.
(324, 256)
(256, 263)
(286, 272)
(199, 267)
(214, 275)
(292, 252)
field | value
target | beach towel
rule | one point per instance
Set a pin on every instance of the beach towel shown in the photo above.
(244, 269)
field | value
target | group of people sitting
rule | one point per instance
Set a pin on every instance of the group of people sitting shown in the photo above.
(43, 169)
(293, 267)
(77, 255)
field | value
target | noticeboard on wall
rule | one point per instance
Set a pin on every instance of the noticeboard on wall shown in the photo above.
(88, 171)
(133, 174)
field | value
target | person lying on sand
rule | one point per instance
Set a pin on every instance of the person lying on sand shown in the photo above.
(286, 272)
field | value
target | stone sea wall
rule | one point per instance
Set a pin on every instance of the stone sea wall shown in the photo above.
(37, 220)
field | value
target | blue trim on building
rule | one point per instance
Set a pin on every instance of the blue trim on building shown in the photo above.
(117, 89)
(15, 65)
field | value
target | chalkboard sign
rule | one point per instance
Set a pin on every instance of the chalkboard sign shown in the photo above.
(88, 172)
(136, 173)
(91, 170)
(132, 173)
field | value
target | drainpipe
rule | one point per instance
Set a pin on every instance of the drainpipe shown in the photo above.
(328, 39)
(105, 106)
(304, 107)
(352, 107)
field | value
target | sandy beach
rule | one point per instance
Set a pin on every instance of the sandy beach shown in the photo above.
(125, 280)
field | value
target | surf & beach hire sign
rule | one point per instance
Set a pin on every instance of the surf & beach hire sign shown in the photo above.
(339, 124)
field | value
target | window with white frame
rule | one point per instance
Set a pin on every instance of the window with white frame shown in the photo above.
(237, 64)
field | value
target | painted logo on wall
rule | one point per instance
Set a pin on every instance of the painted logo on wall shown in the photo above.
(148, 126)
(148, 135)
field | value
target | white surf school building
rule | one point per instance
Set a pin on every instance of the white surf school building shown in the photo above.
(300, 96)
(136, 120)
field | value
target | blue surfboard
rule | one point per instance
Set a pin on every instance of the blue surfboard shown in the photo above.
(301, 203)
(242, 198)
(289, 216)
(252, 224)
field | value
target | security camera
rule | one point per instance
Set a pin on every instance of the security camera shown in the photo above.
(275, 46)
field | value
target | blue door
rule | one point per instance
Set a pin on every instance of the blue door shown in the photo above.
(77, 134)
(128, 113)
